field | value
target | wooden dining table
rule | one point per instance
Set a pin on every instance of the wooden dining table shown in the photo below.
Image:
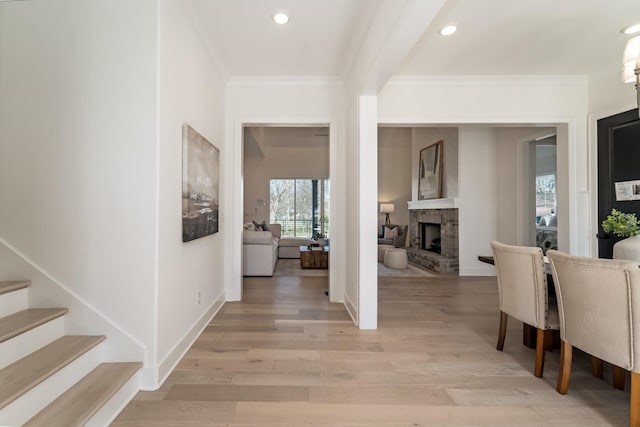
(528, 331)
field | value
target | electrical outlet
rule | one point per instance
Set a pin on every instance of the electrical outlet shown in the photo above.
(199, 297)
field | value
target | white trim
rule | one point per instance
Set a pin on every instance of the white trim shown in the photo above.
(286, 81)
(524, 235)
(351, 309)
(449, 203)
(502, 81)
(234, 243)
(153, 377)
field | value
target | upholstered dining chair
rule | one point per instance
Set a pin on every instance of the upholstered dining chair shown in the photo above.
(522, 292)
(599, 308)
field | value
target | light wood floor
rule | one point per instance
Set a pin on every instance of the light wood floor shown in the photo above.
(285, 356)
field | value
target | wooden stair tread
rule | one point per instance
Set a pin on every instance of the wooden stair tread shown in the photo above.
(78, 404)
(26, 373)
(25, 320)
(13, 285)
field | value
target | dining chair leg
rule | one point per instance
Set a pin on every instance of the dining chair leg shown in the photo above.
(619, 377)
(596, 367)
(548, 339)
(564, 373)
(503, 330)
(634, 400)
(540, 342)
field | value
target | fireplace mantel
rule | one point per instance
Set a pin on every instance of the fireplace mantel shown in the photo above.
(449, 203)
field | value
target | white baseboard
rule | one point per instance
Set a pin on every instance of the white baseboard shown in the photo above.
(351, 309)
(152, 377)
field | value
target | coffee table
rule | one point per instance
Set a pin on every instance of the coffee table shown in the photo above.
(317, 258)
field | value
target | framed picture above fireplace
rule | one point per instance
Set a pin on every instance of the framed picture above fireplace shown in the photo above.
(430, 172)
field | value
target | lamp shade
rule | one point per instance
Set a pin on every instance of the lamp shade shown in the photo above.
(631, 51)
(631, 59)
(387, 208)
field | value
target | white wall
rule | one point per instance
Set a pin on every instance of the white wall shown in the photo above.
(608, 94)
(505, 100)
(477, 213)
(279, 162)
(77, 150)
(283, 101)
(367, 203)
(190, 91)
(423, 137)
(394, 172)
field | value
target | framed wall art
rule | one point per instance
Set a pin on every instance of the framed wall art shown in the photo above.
(200, 185)
(430, 172)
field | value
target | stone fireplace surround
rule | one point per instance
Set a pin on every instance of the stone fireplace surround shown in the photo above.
(445, 262)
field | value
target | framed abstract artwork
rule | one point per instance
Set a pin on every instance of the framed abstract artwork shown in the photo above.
(200, 185)
(430, 172)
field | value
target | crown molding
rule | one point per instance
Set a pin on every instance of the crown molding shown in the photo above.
(286, 81)
(515, 80)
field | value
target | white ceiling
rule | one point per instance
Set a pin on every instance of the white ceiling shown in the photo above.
(495, 37)
(320, 39)
(525, 37)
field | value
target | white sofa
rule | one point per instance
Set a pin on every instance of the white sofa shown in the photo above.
(260, 251)
(289, 247)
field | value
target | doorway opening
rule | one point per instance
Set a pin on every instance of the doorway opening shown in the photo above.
(286, 200)
(543, 183)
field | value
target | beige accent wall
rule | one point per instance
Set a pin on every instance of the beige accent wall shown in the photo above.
(278, 162)
(394, 172)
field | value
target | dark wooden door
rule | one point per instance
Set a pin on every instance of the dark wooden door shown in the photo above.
(618, 161)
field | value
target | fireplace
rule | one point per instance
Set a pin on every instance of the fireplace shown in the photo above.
(433, 239)
(430, 237)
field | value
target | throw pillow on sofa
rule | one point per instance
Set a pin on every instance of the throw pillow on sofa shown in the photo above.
(390, 232)
(261, 227)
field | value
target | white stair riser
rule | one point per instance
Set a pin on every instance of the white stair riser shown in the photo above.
(32, 402)
(110, 410)
(12, 302)
(26, 343)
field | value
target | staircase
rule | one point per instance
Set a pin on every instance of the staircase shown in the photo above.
(48, 378)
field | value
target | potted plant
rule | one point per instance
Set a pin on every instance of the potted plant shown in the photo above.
(624, 225)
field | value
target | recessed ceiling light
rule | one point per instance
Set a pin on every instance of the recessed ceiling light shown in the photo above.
(448, 30)
(632, 29)
(281, 18)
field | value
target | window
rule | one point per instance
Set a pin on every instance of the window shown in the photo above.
(545, 196)
(300, 206)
